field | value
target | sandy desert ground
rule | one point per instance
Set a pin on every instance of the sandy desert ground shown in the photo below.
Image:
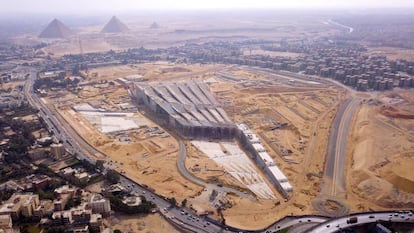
(382, 164)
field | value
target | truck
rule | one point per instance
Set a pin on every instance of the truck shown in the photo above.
(352, 220)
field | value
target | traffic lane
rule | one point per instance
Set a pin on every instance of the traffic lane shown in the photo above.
(165, 207)
(53, 124)
(289, 223)
(341, 223)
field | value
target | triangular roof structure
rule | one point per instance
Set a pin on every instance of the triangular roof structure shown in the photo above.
(114, 26)
(154, 25)
(56, 29)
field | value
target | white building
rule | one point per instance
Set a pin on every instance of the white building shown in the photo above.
(99, 204)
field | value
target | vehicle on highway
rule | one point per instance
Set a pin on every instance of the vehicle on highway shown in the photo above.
(352, 220)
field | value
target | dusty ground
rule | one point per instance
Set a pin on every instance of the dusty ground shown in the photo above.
(392, 53)
(262, 106)
(205, 168)
(150, 160)
(151, 71)
(152, 223)
(381, 165)
(298, 147)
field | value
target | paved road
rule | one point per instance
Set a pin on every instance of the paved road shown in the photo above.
(335, 161)
(182, 217)
(350, 29)
(74, 144)
(292, 221)
(341, 223)
(183, 170)
(53, 124)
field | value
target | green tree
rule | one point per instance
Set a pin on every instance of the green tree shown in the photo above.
(184, 202)
(100, 164)
(172, 201)
(112, 176)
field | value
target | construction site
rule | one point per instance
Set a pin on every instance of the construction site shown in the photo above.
(380, 166)
(267, 140)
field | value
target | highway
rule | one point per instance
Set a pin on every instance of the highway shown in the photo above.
(337, 224)
(53, 124)
(182, 218)
(350, 29)
(336, 156)
(292, 221)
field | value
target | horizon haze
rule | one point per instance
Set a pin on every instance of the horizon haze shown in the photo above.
(123, 6)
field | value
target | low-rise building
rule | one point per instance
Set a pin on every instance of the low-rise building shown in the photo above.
(6, 224)
(100, 205)
(20, 204)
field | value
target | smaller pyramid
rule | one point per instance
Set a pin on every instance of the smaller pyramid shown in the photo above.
(56, 29)
(154, 25)
(114, 26)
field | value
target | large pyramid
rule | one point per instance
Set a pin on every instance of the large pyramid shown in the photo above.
(56, 29)
(114, 25)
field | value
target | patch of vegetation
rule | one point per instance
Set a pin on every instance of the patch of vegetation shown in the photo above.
(73, 202)
(116, 202)
(112, 176)
(28, 228)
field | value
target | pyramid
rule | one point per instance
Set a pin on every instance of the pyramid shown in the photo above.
(154, 25)
(114, 25)
(56, 29)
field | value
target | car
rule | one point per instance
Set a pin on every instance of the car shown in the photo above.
(182, 212)
(327, 226)
(371, 216)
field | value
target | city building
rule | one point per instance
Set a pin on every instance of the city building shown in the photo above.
(20, 204)
(6, 224)
(57, 151)
(100, 205)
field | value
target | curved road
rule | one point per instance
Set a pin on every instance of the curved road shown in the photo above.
(183, 170)
(337, 224)
(192, 223)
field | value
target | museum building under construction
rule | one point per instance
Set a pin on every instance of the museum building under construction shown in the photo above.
(188, 107)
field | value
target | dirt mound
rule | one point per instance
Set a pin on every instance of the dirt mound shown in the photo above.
(384, 194)
(392, 112)
(400, 182)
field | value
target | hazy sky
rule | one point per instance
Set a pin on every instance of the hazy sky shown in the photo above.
(99, 6)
